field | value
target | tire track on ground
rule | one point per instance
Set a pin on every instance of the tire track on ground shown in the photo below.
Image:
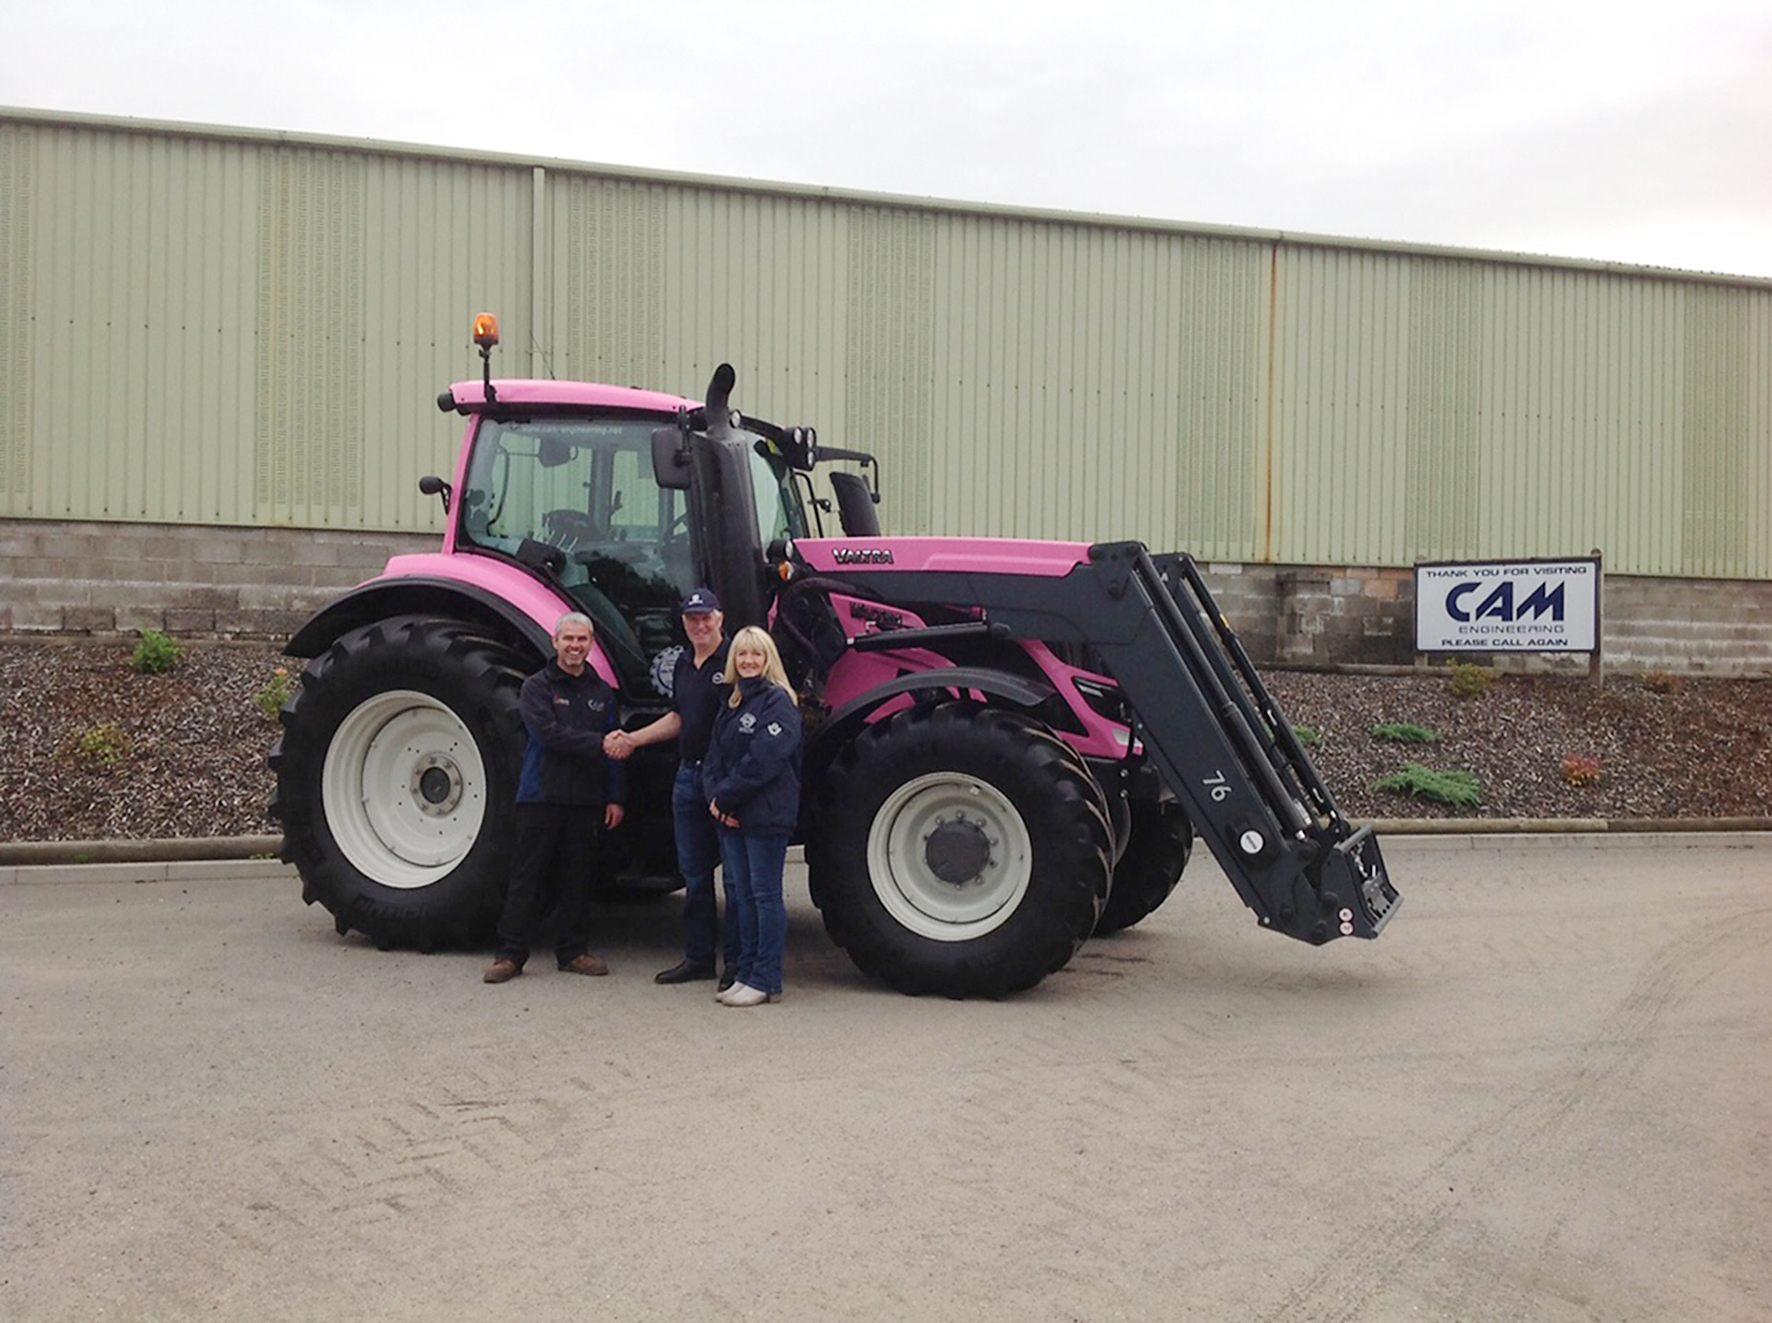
(1510, 1144)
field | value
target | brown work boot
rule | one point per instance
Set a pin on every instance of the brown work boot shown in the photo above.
(585, 964)
(501, 971)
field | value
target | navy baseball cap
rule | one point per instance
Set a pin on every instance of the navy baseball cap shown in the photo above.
(701, 602)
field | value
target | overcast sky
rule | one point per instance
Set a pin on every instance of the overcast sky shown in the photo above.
(1610, 130)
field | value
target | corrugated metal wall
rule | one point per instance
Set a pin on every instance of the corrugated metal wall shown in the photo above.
(215, 327)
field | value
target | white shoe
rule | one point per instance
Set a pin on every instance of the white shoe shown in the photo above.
(722, 997)
(743, 996)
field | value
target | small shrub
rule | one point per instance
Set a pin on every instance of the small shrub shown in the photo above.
(103, 745)
(1581, 769)
(1663, 682)
(277, 691)
(155, 654)
(1309, 736)
(1470, 681)
(1405, 732)
(1454, 789)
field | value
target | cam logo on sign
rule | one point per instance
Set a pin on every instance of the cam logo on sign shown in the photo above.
(1508, 606)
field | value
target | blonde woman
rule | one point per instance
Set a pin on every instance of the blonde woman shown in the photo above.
(751, 777)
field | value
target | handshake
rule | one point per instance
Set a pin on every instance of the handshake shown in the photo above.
(619, 745)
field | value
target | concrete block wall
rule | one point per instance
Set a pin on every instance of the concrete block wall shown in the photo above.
(101, 578)
(1314, 615)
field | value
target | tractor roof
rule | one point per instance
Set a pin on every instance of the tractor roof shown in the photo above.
(571, 393)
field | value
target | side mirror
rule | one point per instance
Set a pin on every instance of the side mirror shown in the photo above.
(670, 458)
(432, 485)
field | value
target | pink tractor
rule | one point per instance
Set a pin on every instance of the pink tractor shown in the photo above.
(1011, 745)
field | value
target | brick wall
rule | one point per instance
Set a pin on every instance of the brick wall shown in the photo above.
(96, 578)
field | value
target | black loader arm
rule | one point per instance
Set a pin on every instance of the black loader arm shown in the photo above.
(1225, 749)
(1206, 722)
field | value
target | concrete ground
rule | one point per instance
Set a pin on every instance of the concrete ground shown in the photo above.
(1545, 1093)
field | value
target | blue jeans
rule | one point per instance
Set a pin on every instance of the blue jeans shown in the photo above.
(698, 854)
(754, 865)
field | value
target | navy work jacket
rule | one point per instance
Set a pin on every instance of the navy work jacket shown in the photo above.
(752, 770)
(566, 717)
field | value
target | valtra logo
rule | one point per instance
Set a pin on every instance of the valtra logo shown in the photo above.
(862, 556)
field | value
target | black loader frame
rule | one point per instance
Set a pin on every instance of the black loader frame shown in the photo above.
(1215, 736)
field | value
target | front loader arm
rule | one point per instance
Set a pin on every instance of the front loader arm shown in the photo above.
(1207, 723)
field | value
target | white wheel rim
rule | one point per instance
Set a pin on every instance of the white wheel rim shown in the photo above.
(908, 885)
(404, 789)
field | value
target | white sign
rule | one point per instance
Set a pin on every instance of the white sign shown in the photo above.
(1508, 606)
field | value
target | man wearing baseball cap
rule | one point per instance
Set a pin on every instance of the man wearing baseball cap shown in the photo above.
(698, 687)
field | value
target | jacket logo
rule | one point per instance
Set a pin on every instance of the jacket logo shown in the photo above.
(748, 722)
(562, 702)
(595, 704)
(719, 677)
(775, 728)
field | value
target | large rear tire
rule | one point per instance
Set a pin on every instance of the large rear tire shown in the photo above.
(959, 850)
(398, 757)
(1161, 840)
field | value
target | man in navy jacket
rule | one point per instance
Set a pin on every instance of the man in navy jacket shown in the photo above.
(698, 691)
(568, 792)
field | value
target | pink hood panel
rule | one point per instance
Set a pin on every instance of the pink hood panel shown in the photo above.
(506, 582)
(951, 555)
(577, 393)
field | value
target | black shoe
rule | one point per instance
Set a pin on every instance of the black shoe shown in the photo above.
(686, 971)
(727, 979)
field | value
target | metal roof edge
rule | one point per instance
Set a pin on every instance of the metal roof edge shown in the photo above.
(897, 201)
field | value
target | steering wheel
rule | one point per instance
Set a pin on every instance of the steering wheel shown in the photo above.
(571, 527)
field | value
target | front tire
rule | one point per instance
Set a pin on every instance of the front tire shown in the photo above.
(398, 756)
(959, 850)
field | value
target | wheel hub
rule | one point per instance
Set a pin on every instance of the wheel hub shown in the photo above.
(436, 785)
(949, 856)
(404, 788)
(957, 851)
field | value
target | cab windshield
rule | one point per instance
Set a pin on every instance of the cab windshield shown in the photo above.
(585, 488)
(779, 513)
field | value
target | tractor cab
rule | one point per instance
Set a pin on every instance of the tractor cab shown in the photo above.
(623, 500)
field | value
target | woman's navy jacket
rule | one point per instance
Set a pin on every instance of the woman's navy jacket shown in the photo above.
(752, 770)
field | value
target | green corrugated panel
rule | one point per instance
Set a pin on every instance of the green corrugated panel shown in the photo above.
(237, 328)
(1437, 409)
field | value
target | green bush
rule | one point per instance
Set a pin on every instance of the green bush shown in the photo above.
(1309, 736)
(155, 654)
(103, 745)
(1470, 681)
(278, 690)
(1405, 732)
(1454, 789)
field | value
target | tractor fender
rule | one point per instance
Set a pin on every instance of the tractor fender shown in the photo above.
(420, 595)
(846, 722)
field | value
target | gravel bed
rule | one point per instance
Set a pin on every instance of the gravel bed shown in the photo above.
(1703, 751)
(194, 742)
